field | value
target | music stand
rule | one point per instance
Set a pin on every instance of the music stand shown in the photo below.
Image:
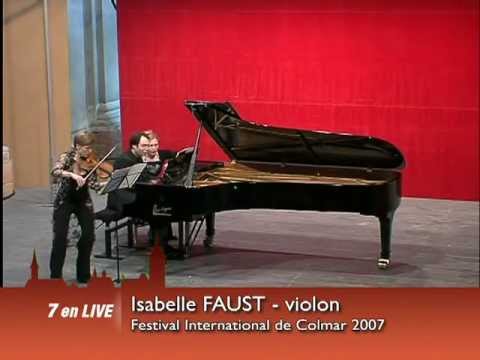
(123, 179)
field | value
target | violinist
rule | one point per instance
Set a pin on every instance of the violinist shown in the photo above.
(73, 197)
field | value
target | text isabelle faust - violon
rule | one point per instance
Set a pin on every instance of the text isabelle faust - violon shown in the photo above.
(241, 303)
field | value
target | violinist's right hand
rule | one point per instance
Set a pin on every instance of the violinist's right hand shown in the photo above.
(78, 179)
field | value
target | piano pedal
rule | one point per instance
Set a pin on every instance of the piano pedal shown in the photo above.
(383, 263)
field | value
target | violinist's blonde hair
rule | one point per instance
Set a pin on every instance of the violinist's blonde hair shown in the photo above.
(83, 138)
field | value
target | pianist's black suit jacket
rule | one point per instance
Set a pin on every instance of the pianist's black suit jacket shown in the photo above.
(125, 160)
(118, 199)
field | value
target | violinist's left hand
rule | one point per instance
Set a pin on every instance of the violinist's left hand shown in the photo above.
(101, 187)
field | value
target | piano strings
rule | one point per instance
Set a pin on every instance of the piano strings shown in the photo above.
(235, 172)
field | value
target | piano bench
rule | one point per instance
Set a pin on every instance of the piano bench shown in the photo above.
(109, 216)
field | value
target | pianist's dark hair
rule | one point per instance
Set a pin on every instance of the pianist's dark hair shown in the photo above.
(135, 138)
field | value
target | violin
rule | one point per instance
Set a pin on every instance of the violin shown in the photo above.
(103, 171)
(91, 164)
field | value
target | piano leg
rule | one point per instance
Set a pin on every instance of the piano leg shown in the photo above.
(188, 240)
(210, 232)
(187, 234)
(184, 240)
(181, 236)
(385, 234)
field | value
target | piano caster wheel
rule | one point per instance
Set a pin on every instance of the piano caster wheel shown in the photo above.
(208, 241)
(383, 263)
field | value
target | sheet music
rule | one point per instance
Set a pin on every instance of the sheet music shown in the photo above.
(133, 174)
(124, 178)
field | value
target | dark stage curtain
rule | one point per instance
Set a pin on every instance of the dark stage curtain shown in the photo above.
(404, 71)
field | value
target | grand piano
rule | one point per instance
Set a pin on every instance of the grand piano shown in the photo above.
(272, 168)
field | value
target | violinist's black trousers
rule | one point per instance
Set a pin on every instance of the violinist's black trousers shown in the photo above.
(61, 216)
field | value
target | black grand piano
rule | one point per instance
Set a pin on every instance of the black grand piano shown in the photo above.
(273, 168)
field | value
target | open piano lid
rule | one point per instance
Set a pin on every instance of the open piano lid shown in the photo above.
(246, 141)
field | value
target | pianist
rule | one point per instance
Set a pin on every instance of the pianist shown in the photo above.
(155, 159)
(139, 144)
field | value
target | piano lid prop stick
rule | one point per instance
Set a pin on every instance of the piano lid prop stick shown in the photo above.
(191, 167)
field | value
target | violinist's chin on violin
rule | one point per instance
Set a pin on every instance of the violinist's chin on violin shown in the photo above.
(88, 164)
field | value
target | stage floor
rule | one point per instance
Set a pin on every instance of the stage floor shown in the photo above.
(435, 243)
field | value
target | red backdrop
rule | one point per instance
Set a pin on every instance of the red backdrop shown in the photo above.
(404, 71)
